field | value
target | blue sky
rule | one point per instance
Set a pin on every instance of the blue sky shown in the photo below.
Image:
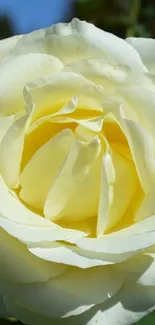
(28, 15)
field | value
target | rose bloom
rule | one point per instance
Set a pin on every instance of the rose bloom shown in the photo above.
(77, 184)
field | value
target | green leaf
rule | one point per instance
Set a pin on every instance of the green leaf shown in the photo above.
(147, 320)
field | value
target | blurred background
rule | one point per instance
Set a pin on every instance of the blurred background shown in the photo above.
(121, 17)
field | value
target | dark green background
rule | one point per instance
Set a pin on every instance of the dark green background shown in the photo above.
(121, 17)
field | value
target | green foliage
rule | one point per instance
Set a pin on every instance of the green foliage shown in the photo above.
(121, 17)
(148, 320)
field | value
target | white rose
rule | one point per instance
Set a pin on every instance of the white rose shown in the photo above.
(77, 163)
(7, 45)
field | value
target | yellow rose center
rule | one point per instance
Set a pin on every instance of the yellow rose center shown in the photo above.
(61, 171)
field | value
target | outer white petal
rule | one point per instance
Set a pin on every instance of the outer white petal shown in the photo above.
(6, 45)
(140, 268)
(21, 272)
(72, 255)
(35, 230)
(71, 293)
(3, 311)
(109, 74)
(31, 227)
(16, 72)
(134, 89)
(131, 239)
(32, 234)
(101, 71)
(79, 40)
(17, 265)
(129, 305)
(145, 47)
(28, 317)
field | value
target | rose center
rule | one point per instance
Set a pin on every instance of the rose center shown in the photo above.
(51, 179)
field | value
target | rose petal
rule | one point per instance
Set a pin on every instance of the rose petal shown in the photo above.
(17, 265)
(5, 123)
(131, 239)
(11, 149)
(141, 145)
(72, 255)
(3, 311)
(145, 47)
(79, 40)
(7, 45)
(140, 268)
(123, 185)
(42, 169)
(142, 101)
(128, 306)
(71, 293)
(147, 207)
(31, 227)
(16, 72)
(75, 171)
(51, 93)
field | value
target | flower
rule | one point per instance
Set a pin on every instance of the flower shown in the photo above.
(77, 164)
(7, 45)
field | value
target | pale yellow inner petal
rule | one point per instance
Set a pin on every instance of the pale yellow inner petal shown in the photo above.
(11, 152)
(39, 136)
(78, 164)
(42, 169)
(76, 168)
(123, 189)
